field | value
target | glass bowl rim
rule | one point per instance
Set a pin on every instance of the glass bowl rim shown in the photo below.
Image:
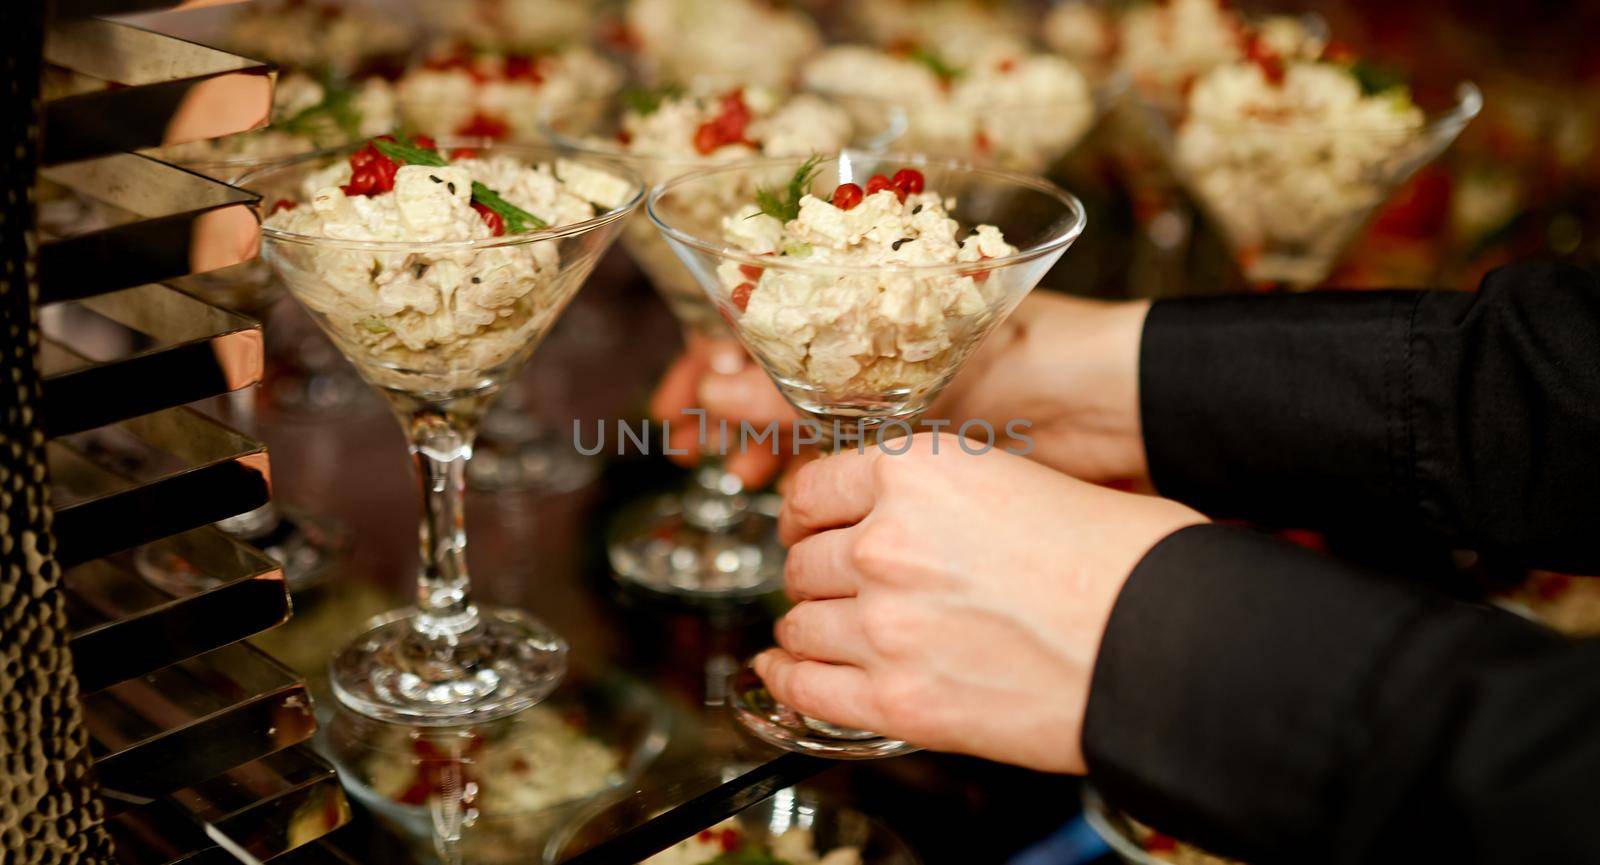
(640, 188)
(1059, 240)
(1467, 105)
(1101, 819)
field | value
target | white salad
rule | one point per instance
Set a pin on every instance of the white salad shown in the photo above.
(506, 96)
(720, 43)
(450, 312)
(1291, 156)
(1015, 108)
(674, 131)
(321, 35)
(871, 328)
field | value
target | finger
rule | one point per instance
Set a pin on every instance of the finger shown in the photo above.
(755, 465)
(747, 395)
(820, 567)
(793, 466)
(827, 631)
(833, 491)
(678, 387)
(836, 694)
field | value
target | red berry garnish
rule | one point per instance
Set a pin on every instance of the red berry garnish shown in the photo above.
(847, 195)
(707, 835)
(283, 204)
(484, 126)
(741, 295)
(878, 183)
(982, 144)
(1271, 64)
(364, 156)
(425, 142)
(730, 840)
(362, 181)
(707, 138)
(1007, 65)
(520, 67)
(909, 181)
(750, 271)
(1552, 586)
(463, 153)
(496, 223)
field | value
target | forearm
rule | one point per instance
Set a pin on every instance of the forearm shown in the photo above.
(1469, 417)
(1277, 705)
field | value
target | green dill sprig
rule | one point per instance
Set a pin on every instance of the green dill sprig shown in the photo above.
(645, 101)
(1375, 79)
(748, 854)
(337, 105)
(517, 220)
(786, 206)
(935, 63)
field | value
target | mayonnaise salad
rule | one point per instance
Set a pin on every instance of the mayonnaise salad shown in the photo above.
(445, 312)
(872, 328)
(1004, 105)
(506, 96)
(720, 43)
(673, 131)
(1291, 156)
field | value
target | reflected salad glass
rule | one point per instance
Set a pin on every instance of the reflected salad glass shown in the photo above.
(861, 283)
(713, 540)
(437, 276)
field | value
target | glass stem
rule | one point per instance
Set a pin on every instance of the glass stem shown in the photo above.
(715, 499)
(441, 444)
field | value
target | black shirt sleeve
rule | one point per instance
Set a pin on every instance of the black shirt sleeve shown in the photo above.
(1283, 707)
(1474, 418)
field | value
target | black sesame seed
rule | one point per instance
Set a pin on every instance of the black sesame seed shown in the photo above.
(435, 178)
(476, 280)
(897, 244)
(451, 187)
(916, 210)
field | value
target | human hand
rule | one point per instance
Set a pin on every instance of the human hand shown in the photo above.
(953, 600)
(1068, 367)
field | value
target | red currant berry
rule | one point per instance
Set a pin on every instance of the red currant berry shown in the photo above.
(282, 204)
(463, 153)
(730, 840)
(847, 195)
(484, 126)
(909, 181)
(707, 138)
(426, 142)
(741, 295)
(878, 183)
(750, 271)
(496, 223)
(364, 156)
(523, 67)
(361, 181)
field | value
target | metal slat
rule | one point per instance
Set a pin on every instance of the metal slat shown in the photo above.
(169, 91)
(123, 627)
(183, 223)
(188, 471)
(195, 720)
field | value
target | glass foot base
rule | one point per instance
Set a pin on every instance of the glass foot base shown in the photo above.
(538, 461)
(654, 546)
(391, 673)
(306, 546)
(779, 725)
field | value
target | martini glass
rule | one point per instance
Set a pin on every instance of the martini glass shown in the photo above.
(447, 661)
(1289, 195)
(888, 393)
(714, 539)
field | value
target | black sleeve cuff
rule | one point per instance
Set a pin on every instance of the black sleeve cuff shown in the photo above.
(1256, 697)
(1282, 409)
